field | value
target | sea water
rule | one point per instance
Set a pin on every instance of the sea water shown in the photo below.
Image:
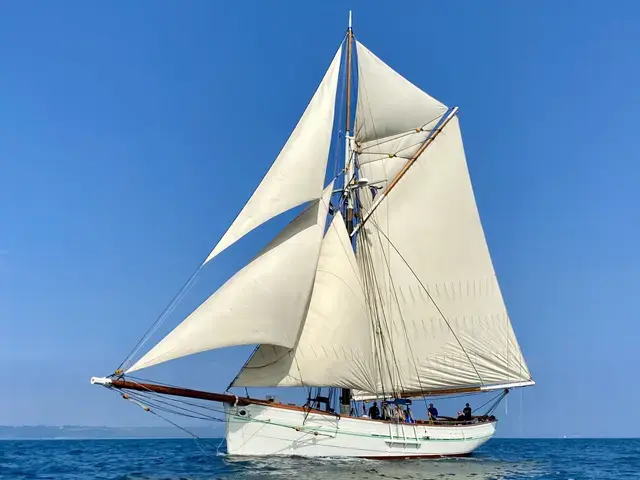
(566, 459)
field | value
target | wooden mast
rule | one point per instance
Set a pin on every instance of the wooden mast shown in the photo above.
(349, 172)
(349, 46)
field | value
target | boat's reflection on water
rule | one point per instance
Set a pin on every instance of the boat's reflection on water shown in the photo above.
(474, 467)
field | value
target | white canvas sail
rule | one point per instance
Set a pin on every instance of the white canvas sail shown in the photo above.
(297, 175)
(265, 302)
(335, 347)
(388, 104)
(444, 320)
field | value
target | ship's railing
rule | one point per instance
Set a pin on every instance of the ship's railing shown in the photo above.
(455, 421)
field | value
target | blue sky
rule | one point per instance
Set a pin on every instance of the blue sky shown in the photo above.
(131, 135)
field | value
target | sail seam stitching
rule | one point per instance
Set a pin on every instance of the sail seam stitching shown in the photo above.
(404, 325)
(432, 300)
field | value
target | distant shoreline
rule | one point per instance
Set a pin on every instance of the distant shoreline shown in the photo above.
(84, 439)
(78, 432)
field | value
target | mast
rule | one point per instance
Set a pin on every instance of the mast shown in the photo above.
(349, 174)
(349, 170)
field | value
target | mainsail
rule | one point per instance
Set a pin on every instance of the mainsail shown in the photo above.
(415, 309)
(428, 265)
(440, 318)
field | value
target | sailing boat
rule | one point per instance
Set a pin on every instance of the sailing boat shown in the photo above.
(381, 289)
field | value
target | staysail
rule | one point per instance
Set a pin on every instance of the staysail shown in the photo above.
(297, 175)
(335, 347)
(265, 302)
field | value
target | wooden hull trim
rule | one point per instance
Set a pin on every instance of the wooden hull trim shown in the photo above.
(234, 400)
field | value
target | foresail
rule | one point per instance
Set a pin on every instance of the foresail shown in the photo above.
(427, 269)
(265, 302)
(297, 175)
(334, 348)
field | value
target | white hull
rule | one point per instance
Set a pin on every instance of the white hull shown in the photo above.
(261, 430)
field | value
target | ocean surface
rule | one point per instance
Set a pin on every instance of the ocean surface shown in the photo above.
(185, 459)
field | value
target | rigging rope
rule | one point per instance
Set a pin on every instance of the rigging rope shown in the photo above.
(196, 438)
(160, 403)
(373, 292)
(371, 274)
(495, 405)
(166, 399)
(161, 318)
(411, 356)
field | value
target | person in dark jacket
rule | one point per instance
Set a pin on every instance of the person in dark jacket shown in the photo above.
(433, 412)
(374, 411)
(466, 411)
